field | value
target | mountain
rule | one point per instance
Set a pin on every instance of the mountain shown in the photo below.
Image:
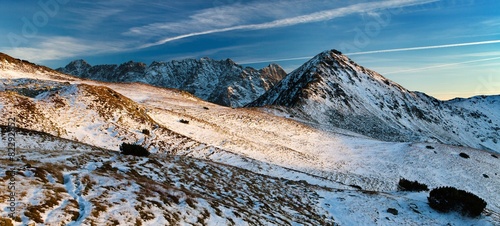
(223, 82)
(210, 164)
(11, 66)
(331, 90)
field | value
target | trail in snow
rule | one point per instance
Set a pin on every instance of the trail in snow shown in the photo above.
(76, 192)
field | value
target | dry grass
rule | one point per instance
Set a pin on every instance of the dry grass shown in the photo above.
(99, 207)
(6, 222)
(108, 100)
(72, 209)
(89, 184)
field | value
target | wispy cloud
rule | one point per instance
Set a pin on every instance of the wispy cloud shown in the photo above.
(442, 65)
(212, 23)
(389, 51)
(60, 47)
(275, 60)
(426, 47)
(223, 17)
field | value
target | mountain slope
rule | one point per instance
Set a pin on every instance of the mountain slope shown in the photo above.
(12, 67)
(86, 113)
(332, 90)
(222, 165)
(221, 82)
(63, 182)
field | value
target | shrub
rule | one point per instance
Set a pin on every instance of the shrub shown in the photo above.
(184, 121)
(406, 185)
(463, 155)
(356, 186)
(446, 199)
(392, 211)
(134, 149)
(429, 147)
(146, 132)
(494, 156)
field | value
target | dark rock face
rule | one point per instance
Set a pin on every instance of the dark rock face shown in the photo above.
(222, 82)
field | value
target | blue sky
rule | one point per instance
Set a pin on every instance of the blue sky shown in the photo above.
(448, 48)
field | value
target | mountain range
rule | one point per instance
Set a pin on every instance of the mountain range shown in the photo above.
(330, 90)
(324, 145)
(222, 82)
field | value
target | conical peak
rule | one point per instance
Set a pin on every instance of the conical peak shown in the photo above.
(79, 62)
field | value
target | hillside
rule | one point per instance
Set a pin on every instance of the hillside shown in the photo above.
(330, 90)
(213, 165)
(63, 182)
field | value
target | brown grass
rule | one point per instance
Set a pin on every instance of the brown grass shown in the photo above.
(6, 222)
(33, 214)
(98, 208)
(110, 99)
(89, 184)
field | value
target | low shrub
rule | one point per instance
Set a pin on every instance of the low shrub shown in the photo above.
(406, 185)
(184, 121)
(429, 147)
(463, 155)
(145, 132)
(446, 199)
(134, 149)
(392, 211)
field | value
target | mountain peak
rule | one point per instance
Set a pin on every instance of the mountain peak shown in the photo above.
(79, 62)
(332, 90)
(332, 51)
(79, 67)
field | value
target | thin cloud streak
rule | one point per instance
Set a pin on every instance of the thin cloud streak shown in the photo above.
(60, 47)
(442, 65)
(426, 47)
(386, 51)
(309, 18)
(275, 60)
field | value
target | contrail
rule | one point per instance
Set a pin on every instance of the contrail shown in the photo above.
(426, 47)
(303, 19)
(385, 51)
(441, 65)
(275, 60)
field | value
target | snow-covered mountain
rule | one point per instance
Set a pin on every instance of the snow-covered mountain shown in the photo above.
(223, 82)
(218, 166)
(332, 90)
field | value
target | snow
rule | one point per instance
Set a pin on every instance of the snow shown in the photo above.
(75, 190)
(332, 91)
(222, 81)
(235, 150)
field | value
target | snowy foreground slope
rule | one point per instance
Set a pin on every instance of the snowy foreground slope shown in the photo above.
(63, 182)
(226, 166)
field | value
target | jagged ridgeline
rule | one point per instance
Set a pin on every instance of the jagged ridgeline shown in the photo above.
(208, 164)
(218, 81)
(331, 90)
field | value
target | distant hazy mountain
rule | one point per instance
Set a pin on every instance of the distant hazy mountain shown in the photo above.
(223, 82)
(332, 90)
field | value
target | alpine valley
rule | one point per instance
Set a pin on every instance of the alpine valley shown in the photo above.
(325, 144)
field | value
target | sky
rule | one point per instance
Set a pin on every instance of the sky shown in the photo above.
(447, 48)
